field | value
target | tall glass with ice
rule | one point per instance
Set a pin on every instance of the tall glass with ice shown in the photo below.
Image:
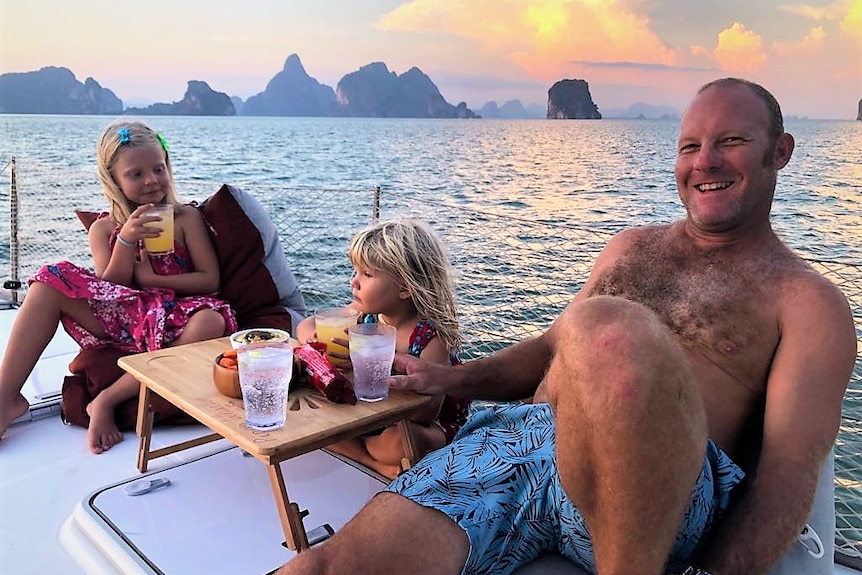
(372, 351)
(265, 370)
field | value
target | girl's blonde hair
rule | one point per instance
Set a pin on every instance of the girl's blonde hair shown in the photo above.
(412, 253)
(120, 135)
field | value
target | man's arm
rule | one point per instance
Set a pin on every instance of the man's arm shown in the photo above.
(805, 389)
(512, 373)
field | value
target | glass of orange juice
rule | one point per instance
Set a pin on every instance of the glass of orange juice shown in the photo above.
(331, 323)
(164, 242)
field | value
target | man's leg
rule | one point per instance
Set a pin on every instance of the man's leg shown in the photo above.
(630, 427)
(390, 535)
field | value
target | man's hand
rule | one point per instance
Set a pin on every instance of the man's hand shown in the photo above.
(419, 376)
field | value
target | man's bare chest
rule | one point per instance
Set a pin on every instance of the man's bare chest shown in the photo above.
(718, 310)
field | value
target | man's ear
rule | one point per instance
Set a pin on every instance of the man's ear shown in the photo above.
(783, 150)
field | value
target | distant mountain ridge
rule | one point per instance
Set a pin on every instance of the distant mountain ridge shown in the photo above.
(55, 90)
(643, 111)
(292, 92)
(512, 110)
(371, 91)
(199, 100)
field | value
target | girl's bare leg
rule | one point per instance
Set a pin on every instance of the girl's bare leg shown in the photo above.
(355, 449)
(102, 433)
(383, 453)
(35, 324)
(203, 324)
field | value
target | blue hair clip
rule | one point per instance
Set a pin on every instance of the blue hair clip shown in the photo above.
(124, 135)
(162, 141)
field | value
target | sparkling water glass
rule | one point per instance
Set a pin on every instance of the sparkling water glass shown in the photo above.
(372, 351)
(265, 370)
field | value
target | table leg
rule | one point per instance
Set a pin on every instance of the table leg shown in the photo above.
(408, 444)
(289, 513)
(144, 427)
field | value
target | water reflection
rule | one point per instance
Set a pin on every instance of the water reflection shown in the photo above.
(607, 174)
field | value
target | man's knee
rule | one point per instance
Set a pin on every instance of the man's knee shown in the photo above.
(613, 352)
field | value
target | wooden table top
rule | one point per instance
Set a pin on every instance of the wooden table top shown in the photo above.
(183, 375)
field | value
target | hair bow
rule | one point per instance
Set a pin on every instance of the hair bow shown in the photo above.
(162, 141)
(124, 135)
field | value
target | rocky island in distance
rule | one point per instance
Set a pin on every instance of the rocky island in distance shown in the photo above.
(371, 91)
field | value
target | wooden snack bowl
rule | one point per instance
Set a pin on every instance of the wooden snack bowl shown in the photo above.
(226, 379)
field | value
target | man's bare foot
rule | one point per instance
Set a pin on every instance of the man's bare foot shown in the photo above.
(102, 433)
(11, 411)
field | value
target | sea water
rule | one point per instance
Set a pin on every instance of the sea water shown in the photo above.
(605, 174)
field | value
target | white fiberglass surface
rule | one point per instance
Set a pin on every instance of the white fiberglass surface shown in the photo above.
(46, 470)
(217, 514)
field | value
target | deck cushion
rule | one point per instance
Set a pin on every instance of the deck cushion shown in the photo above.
(255, 276)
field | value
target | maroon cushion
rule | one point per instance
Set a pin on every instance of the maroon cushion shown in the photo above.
(246, 282)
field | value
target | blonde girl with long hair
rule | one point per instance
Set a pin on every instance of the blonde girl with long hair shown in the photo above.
(403, 278)
(132, 300)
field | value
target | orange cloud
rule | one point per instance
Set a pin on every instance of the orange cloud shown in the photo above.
(847, 12)
(541, 36)
(830, 12)
(739, 49)
(851, 24)
(811, 42)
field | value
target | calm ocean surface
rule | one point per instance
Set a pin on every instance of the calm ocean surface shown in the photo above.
(604, 174)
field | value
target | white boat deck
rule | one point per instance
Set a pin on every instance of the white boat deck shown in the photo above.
(64, 510)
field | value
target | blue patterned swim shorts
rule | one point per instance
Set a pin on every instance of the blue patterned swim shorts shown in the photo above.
(498, 480)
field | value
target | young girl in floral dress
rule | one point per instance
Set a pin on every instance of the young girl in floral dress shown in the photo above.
(403, 278)
(132, 301)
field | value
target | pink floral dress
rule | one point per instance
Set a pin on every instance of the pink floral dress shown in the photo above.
(135, 320)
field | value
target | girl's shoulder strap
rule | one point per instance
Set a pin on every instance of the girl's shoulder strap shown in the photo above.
(423, 332)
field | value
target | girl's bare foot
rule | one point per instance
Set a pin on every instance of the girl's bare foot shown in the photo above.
(102, 433)
(11, 411)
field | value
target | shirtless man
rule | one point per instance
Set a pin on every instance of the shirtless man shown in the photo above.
(695, 353)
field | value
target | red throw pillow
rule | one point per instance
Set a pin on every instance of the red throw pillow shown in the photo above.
(243, 239)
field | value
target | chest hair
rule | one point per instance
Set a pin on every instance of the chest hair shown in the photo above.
(716, 302)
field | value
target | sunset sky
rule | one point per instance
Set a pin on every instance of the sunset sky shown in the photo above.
(653, 51)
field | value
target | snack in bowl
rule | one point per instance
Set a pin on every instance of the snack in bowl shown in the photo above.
(226, 374)
(258, 335)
